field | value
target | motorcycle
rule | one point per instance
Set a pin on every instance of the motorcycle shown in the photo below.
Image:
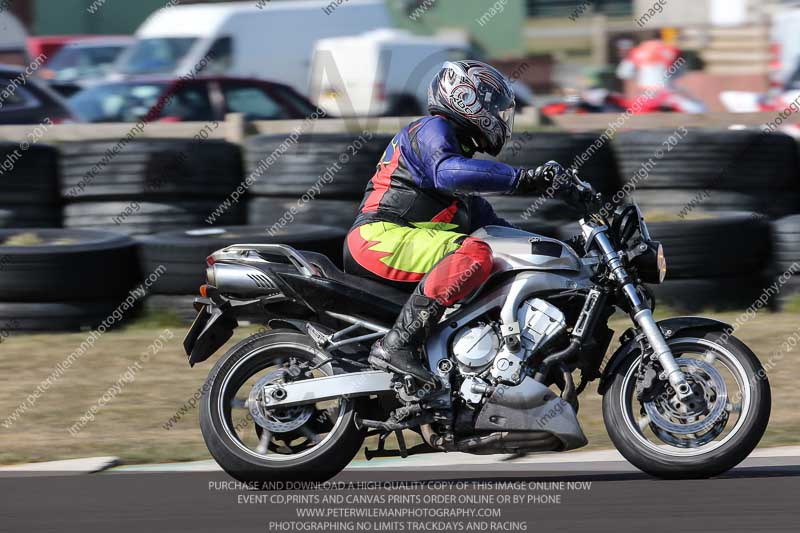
(781, 102)
(682, 397)
(667, 100)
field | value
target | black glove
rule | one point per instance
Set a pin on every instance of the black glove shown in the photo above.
(554, 181)
(551, 179)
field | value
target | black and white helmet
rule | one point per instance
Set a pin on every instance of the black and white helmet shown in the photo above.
(478, 98)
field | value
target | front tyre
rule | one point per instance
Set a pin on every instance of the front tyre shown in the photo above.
(705, 436)
(253, 444)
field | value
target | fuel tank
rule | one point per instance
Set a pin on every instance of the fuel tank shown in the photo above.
(514, 249)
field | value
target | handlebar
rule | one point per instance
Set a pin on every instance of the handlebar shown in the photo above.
(591, 199)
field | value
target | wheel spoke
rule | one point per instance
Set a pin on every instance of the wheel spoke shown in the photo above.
(292, 430)
(263, 444)
(284, 447)
(710, 357)
(310, 435)
(644, 422)
(238, 403)
(734, 407)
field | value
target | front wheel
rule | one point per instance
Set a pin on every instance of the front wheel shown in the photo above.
(252, 443)
(702, 437)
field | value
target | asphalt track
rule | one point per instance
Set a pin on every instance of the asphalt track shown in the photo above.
(760, 495)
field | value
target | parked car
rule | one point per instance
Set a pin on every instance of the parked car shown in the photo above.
(81, 61)
(244, 39)
(26, 100)
(50, 45)
(201, 99)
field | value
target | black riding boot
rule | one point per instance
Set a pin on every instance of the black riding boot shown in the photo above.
(400, 349)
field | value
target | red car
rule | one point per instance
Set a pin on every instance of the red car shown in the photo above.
(196, 100)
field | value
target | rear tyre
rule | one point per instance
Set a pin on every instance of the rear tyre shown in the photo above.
(305, 443)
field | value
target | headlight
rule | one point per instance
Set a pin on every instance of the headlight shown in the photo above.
(651, 264)
(211, 275)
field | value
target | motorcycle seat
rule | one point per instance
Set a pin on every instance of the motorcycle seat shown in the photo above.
(391, 296)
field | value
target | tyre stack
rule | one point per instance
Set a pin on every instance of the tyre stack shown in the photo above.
(149, 185)
(786, 256)
(318, 179)
(709, 170)
(541, 214)
(29, 177)
(183, 255)
(720, 262)
(64, 280)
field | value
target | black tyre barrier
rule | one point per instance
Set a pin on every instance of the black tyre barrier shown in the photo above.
(786, 238)
(181, 307)
(150, 168)
(706, 159)
(531, 149)
(329, 165)
(268, 211)
(30, 176)
(65, 265)
(139, 217)
(729, 245)
(60, 316)
(715, 263)
(786, 255)
(30, 216)
(688, 203)
(533, 212)
(712, 294)
(183, 253)
(29, 179)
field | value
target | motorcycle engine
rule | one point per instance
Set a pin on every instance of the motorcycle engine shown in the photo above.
(539, 322)
(478, 347)
(475, 347)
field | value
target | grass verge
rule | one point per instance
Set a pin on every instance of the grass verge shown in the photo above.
(132, 424)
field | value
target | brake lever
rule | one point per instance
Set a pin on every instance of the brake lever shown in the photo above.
(584, 188)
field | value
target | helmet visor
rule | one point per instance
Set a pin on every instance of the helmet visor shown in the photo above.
(507, 116)
(502, 106)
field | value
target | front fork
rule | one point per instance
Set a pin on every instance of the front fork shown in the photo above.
(643, 316)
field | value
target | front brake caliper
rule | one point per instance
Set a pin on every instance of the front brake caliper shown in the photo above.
(648, 386)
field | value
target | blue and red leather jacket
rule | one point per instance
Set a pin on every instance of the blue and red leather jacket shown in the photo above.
(425, 176)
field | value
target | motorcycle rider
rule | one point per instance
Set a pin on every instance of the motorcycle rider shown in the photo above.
(422, 203)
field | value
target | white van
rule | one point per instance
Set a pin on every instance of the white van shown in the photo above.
(382, 72)
(272, 40)
(785, 37)
(13, 41)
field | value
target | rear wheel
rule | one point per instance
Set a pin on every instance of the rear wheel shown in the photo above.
(312, 442)
(702, 437)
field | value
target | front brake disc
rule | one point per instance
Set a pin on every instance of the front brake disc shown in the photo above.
(715, 399)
